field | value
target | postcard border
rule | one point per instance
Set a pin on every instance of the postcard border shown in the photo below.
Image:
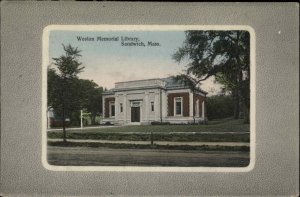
(45, 60)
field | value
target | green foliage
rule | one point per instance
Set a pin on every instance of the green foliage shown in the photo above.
(63, 83)
(67, 94)
(92, 100)
(219, 107)
(68, 64)
(223, 54)
(214, 52)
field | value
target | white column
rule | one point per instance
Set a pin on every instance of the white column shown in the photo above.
(141, 111)
(116, 107)
(48, 116)
(197, 113)
(125, 108)
(164, 104)
(146, 106)
(203, 105)
(156, 106)
(191, 103)
(103, 107)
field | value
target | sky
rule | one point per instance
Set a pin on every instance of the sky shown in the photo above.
(108, 62)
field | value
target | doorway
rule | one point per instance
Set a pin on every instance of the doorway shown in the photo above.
(135, 114)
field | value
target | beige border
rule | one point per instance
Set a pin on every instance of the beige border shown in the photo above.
(45, 52)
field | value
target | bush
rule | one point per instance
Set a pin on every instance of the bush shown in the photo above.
(75, 118)
(219, 107)
(160, 123)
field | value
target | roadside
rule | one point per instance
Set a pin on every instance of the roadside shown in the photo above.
(120, 145)
(154, 136)
(86, 156)
(156, 142)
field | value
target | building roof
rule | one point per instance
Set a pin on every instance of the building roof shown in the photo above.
(168, 83)
(172, 83)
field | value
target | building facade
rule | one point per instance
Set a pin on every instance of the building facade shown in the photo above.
(153, 100)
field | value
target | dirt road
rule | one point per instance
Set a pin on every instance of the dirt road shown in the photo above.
(85, 156)
(156, 142)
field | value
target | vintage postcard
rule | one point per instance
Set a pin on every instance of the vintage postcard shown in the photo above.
(148, 98)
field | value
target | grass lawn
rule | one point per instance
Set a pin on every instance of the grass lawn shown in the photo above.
(166, 132)
(148, 146)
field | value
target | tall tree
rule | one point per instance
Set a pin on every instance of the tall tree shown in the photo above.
(223, 54)
(63, 84)
(92, 98)
(219, 107)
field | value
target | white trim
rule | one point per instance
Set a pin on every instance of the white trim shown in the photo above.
(181, 100)
(200, 93)
(116, 107)
(147, 113)
(103, 106)
(45, 55)
(137, 103)
(164, 104)
(141, 110)
(156, 102)
(50, 28)
(183, 90)
(125, 108)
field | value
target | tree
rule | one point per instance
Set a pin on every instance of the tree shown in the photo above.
(92, 98)
(63, 84)
(223, 54)
(219, 107)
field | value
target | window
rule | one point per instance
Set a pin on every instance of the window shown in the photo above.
(178, 106)
(152, 106)
(121, 107)
(112, 109)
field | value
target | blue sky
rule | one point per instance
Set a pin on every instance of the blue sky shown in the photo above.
(107, 62)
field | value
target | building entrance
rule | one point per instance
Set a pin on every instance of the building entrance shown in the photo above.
(135, 114)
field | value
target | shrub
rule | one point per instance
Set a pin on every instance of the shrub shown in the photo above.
(160, 123)
(219, 107)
